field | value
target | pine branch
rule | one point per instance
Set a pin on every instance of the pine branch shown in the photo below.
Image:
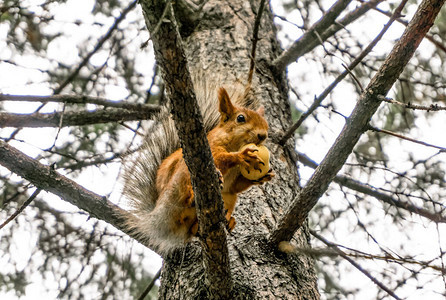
(358, 121)
(375, 129)
(429, 37)
(432, 107)
(75, 99)
(338, 79)
(196, 151)
(307, 41)
(46, 178)
(74, 118)
(372, 191)
(355, 264)
(98, 46)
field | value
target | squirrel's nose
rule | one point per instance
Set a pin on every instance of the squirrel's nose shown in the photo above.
(261, 137)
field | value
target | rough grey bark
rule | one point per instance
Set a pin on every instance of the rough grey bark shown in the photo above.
(220, 44)
(171, 56)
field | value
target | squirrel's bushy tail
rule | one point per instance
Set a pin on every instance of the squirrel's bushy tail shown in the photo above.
(155, 229)
(145, 220)
(140, 174)
(148, 220)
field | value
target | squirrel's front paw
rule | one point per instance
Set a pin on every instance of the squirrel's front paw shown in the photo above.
(250, 159)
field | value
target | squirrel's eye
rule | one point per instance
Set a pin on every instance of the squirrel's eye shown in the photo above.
(241, 119)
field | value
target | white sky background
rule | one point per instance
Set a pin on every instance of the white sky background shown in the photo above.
(26, 80)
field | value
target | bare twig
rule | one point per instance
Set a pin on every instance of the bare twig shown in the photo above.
(354, 253)
(375, 129)
(85, 163)
(355, 264)
(432, 107)
(355, 79)
(157, 26)
(405, 23)
(162, 18)
(16, 194)
(150, 286)
(442, 252)
(330, 88)
(98, 46)
(320, 26)
(255, 38)
(17, 212)
(374, 192)
(59, 127)
(358, 121)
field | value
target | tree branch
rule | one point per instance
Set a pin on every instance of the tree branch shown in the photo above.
(149, 108)
(371, 191)
(308, 41)
(432, 107)
(196, 151)
(358, 121)
(98, 46)
(355, 264)
(74, 118)
(338, 79)
(429, 37)
(46, 178)
(84, 62)
(150, 286)
(21, 208)
(255, 38)
(375, 129)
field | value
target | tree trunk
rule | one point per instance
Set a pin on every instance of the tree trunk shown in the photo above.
(217, 40)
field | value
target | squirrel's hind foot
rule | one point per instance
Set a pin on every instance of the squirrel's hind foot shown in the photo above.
(230, 224)
(220, 179)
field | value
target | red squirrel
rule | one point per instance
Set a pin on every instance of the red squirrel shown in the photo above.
(172, 218)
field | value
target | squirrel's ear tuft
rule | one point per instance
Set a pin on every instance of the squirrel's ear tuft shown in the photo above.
(225, 105)
(261, 111)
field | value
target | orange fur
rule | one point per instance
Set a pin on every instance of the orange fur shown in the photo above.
(238, 126)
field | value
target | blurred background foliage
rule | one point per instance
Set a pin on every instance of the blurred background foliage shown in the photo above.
(97, 48)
